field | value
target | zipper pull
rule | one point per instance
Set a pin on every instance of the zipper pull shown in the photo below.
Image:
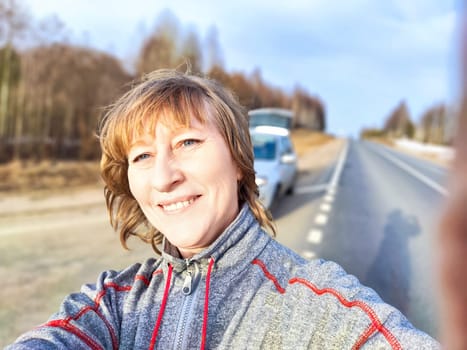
(186, 289)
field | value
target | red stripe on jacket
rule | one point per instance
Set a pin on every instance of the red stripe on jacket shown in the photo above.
(376, 324)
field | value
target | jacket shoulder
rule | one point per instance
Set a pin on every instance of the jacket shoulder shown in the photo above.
(327, 301)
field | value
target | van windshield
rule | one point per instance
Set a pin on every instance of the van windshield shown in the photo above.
(264, 146)
(271, 119)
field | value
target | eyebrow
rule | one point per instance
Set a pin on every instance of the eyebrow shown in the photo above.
(142, 141)
(138, 142)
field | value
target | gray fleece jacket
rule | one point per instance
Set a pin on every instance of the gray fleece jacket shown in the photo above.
(245, 291)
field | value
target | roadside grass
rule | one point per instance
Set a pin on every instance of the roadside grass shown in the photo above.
(50, 176)
(383, 140)
(304, 140)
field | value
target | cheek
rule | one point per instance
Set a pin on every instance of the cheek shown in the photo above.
(135, 184)
(232, 178)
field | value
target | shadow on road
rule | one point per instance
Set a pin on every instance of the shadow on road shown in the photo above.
(390, 272)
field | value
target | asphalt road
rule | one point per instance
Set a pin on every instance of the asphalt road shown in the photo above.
(374, 211)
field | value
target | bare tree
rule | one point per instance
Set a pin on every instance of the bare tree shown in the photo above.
(214, 56)
(191, 52)
(433, 125)
(51, 93)
(13, 21)
(399, 123)
(66, 89)
(309, 111)
(160, 49)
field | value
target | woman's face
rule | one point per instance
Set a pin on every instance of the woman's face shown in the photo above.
(185, 182)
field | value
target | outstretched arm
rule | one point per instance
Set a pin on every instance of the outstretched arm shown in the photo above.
(452, 235)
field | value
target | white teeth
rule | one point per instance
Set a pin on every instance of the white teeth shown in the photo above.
(178, 205)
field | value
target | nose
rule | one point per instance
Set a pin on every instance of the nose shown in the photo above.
(166, 174)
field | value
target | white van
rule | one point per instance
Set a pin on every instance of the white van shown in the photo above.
(275, 162)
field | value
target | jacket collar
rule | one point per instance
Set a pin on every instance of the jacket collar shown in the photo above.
(239, 244)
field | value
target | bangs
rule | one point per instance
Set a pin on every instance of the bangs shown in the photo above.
(174, 109)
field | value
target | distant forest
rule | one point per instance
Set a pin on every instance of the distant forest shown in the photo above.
(52, 92)
(436, 125)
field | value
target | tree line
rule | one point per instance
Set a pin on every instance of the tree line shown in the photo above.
(436, 125)
(52, 92)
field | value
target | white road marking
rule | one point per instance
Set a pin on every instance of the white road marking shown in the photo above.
(308, 255)
(426, 180)
(321, 219)
(314, 236)
(311, 189)
(339, 167)
(325, 207)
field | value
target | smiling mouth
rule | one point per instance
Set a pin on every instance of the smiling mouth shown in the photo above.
(177, 205)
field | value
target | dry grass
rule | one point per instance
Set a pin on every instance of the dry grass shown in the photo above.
(20, 177)
(383, 140)
(305, 140)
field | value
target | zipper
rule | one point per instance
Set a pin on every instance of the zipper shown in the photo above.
(187, 285)
(190, 291)
(192, 277)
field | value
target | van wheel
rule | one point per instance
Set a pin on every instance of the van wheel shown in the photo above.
(291, 189)
(275, 198)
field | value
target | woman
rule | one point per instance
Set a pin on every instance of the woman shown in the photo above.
(178, 167)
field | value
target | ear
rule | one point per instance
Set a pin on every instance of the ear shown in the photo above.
(239, 174)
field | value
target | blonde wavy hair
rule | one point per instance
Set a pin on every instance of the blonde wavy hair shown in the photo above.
(170, 97)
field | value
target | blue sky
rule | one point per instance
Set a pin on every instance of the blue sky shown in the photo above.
(361, 57)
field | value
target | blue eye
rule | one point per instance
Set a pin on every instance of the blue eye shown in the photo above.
(141, 157)
(189, 142)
